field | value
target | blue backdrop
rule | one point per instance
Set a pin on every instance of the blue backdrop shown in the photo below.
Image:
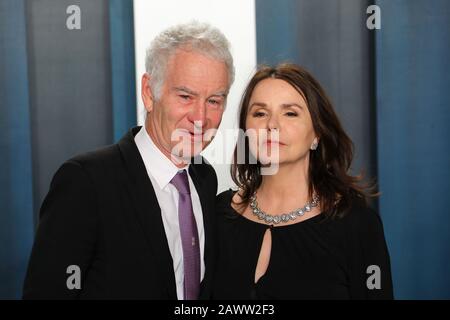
(16, 197)
(62, 92)
(413, 116)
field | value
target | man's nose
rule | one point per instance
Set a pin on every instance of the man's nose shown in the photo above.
(198, 114)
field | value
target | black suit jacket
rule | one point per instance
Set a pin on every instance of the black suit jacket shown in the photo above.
(101, 214)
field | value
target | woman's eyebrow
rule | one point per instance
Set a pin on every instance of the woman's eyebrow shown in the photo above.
(288, 105)
(258, 104)
(283, 105)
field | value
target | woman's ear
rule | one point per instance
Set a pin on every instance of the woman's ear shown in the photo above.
(146, 92)
(315, 143)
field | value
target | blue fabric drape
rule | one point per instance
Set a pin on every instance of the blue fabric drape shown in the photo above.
(413, 116)
(62, 92)
(122, 66)
(16, 198)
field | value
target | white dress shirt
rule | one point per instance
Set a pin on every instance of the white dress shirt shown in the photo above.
(161, 171)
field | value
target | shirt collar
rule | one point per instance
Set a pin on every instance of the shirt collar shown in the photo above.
(156, 163)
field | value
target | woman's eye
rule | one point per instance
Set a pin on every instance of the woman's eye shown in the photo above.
(258, 114)
(291, 114)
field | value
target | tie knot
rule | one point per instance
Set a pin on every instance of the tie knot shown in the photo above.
(181, 182)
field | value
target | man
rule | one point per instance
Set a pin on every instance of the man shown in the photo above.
(134, 220)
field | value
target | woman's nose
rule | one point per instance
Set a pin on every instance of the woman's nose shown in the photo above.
(272, 123)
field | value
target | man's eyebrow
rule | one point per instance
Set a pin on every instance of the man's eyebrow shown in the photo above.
(191, 92)
(220, 93)
(187, 90)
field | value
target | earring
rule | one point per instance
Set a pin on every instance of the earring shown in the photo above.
(315, 144)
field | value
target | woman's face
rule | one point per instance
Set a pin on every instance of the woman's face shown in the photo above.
(280, 116)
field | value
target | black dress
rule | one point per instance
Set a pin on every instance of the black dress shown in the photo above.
(314, 259)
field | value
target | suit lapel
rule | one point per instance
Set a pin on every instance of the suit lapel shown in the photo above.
(147, 208)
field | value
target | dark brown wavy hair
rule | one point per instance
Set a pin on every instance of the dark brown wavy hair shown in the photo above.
(329, 163)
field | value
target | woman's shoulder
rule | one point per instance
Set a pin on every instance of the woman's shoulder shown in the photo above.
(224, 199)
(360, 216)
(225, 196)
(223, 202)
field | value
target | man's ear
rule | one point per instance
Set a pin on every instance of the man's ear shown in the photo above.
(146, 92)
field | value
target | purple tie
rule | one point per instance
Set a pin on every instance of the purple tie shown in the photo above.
(189, 237)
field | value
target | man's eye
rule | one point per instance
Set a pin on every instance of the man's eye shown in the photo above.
(185, 96)
(214, 102)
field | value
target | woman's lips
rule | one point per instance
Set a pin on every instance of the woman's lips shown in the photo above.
(269, 142)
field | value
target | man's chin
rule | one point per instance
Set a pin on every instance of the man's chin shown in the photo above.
(180, 160)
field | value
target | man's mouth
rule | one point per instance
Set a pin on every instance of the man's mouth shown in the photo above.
(196, 136)
(187, 134)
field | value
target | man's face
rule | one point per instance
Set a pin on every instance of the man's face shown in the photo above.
(192, 101)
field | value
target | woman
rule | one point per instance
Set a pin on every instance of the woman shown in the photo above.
(298, 227)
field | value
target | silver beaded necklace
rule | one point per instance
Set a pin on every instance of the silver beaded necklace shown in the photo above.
(285, 217)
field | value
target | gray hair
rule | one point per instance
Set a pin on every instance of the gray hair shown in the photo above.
(200, 37)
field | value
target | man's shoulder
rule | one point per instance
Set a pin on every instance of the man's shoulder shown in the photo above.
(82, 173)
(102, 157)
(110, 155)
